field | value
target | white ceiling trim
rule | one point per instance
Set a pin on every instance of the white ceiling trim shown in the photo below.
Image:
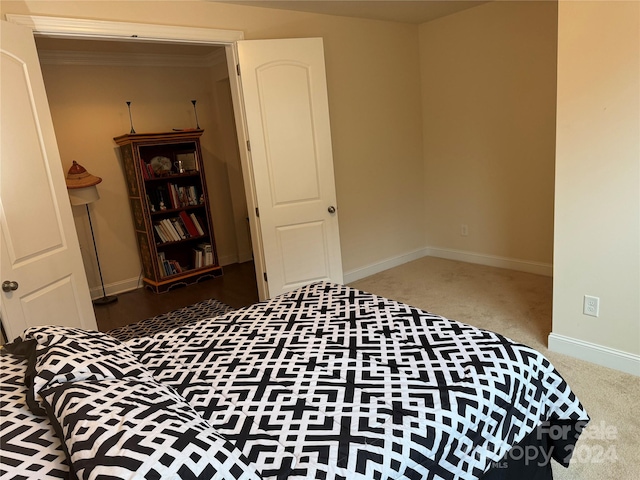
(124, 59)
(75, 27)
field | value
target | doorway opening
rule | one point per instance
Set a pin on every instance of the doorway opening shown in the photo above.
(300, 248)
(88, 83)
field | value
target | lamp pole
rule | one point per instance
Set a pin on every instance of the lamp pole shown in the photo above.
(105, 299)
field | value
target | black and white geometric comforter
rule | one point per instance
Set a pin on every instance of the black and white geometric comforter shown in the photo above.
(326, 382)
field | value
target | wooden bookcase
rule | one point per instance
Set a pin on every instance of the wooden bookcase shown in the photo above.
(170, 206)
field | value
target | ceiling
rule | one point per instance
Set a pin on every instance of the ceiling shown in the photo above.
(416, 12)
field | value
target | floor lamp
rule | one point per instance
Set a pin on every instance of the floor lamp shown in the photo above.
(83, 191)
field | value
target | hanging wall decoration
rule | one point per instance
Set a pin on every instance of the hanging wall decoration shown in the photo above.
(130, 119)
(196, 113)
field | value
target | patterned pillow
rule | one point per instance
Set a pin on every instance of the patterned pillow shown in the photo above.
(66, 354)
(126, 428)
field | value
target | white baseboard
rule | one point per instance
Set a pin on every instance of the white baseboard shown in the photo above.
(117, 287)
(492, 261)
(449, 254)
(591, 352)
(245, 257)
(369, 270)
(227, 259)
(235, 258)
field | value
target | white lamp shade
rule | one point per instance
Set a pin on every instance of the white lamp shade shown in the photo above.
(83, 196)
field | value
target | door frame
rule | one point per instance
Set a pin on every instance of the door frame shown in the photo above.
(63, 27)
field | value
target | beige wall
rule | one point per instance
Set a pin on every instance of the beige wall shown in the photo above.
(597, 212)
(226, 141)
(374, 91)
(88, 109)
(488, 101)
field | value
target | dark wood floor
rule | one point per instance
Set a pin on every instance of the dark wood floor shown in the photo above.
(236, 287)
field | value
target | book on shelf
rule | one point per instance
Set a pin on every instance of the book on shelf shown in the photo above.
(147, 170)
(177, 228)
(175, 197)
(168, 266)
(161, 259)
(197, 258)
(172, 196)
(182, 196)
(207, 254)
(197, 223)
(189, 225)
(160, 233)
(170, 230)
(202, 255)
(175, 267)
(193, 196)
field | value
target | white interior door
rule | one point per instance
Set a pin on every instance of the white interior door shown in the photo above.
(39, 254)
(287, 114)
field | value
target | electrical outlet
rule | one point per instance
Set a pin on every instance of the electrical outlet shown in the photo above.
(464, 230)
(591, 306)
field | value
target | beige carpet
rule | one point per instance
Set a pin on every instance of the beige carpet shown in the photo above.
(518, 305)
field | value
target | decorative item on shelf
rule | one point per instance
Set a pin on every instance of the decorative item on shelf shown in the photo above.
(188, 161)
(160, 165)
(130, 119)
(83, 191)
(196, 113)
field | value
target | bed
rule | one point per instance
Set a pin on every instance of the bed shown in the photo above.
(324, 382)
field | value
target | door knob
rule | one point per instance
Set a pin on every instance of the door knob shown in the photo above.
(8, 286)
(331, 209)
